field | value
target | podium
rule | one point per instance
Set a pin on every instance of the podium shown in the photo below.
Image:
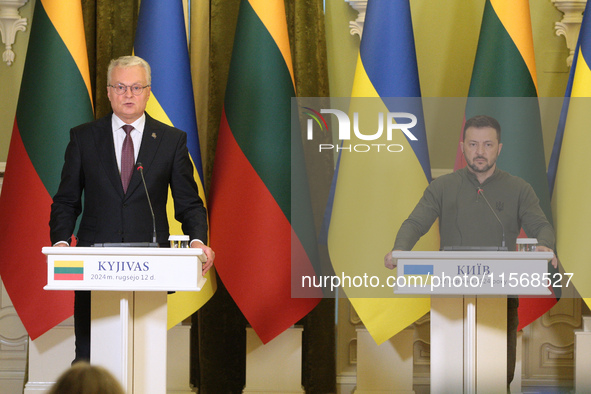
(129, 288)
(469, 310)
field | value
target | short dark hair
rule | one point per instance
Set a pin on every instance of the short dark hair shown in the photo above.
(480, 121)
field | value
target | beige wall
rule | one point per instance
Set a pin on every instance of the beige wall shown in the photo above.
(10, 81)
(342, 47)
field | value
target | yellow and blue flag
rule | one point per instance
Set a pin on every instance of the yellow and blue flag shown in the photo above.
(376, 190)
(569, 190)
(161, 40)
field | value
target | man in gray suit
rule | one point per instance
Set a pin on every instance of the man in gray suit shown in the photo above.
(100, 162)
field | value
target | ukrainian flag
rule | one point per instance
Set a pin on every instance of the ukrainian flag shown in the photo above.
(570, 189)
(418, 275)
(376, 191)
(161, 40)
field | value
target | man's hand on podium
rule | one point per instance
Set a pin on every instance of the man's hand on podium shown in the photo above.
(389, 261)
(541, 248)
(208, 252)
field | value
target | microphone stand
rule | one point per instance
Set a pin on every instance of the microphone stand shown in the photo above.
(141, 170)
(481, 192)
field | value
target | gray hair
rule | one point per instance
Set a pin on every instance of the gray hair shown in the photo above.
(130, 61)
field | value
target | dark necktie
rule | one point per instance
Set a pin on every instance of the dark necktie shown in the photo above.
(127, 158)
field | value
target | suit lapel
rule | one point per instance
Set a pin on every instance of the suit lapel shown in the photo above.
(151, 138)
(103, 139)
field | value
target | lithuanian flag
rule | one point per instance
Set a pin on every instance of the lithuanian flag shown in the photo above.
(504, 86)
(68, 270)
(251, 225)
(54, 97)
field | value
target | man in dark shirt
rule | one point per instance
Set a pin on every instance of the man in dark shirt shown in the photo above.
(465, 219)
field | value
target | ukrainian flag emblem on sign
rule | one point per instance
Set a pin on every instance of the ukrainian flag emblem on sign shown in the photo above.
(68, 270)
(418, 274)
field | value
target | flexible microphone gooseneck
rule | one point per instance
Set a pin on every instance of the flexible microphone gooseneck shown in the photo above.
(140, 168)
(481, 193)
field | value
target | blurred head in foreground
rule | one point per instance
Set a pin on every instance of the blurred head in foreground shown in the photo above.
(83, 378)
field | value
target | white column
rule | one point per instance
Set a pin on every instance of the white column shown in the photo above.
(447, 345)
(583, 357)
(150, 342)
(385, 368)
(491, 344)
(129, 338)
(111, 336)
(178, 366)
(49, 356)
(275, 367)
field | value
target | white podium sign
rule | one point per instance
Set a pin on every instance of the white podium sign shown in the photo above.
(124, 269)
(474, 273)
(128, 304)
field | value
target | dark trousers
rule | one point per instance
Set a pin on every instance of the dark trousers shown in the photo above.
(82, 325)
(512, 323)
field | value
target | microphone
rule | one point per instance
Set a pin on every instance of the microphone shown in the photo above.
(140, 168)
(481, 192)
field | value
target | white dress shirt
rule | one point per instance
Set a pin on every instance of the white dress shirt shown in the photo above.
(119, 135)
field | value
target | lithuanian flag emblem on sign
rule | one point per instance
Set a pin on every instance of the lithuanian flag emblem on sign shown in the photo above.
(68, 270)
